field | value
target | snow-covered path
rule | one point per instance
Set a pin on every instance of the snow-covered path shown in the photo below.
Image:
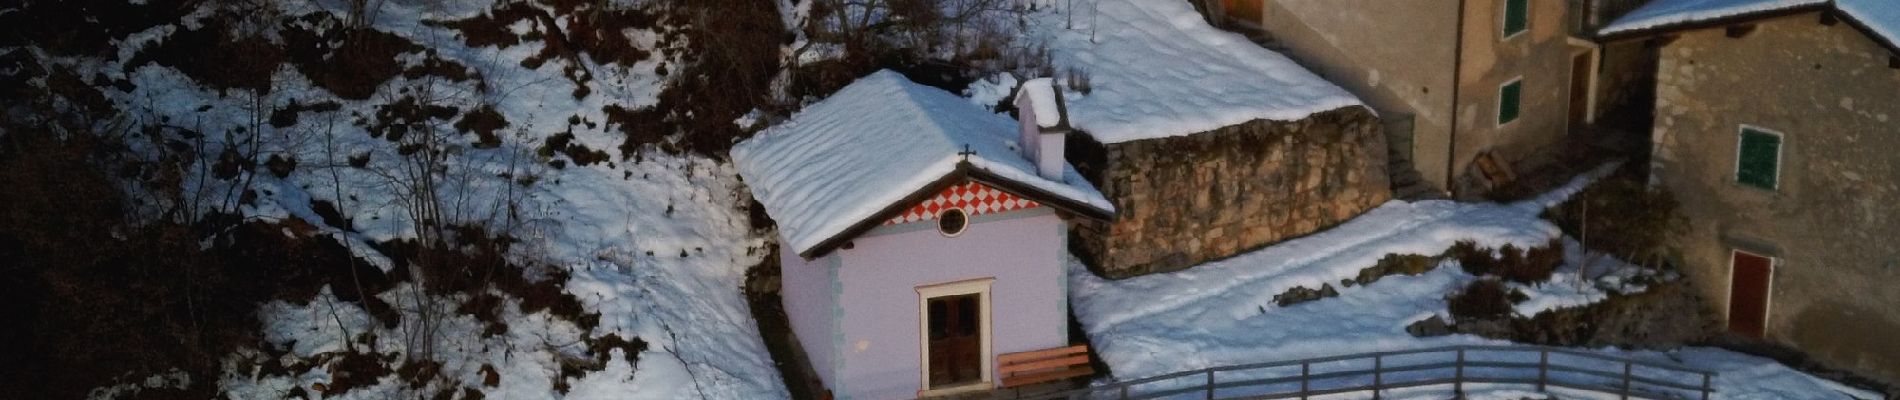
(1222, 313)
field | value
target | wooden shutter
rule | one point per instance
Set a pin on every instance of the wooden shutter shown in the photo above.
(1510, 101)
(1516, 16)
(1758, 163)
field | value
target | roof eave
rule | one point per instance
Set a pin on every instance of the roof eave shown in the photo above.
(964, 170)
(1892, 46)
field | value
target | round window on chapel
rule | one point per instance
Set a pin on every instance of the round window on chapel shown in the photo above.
(952, 222)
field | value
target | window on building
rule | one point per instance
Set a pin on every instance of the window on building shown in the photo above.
(1516, 17)
(1758, 162)
(952, 222)
(1510, 101)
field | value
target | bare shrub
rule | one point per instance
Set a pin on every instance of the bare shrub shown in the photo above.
(1511, 263)
(1483, 299)
(1474, 259)
(1623, 217)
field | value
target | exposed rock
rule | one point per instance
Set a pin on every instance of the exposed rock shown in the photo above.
(1408, 264)
(1301, 294)
(1429, 327)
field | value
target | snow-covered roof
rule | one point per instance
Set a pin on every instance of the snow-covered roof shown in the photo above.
(1666, 13)
(1157, 69)
(835, 168)
(1881, 18)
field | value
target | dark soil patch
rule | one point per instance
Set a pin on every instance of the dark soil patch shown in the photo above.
(350, 63)
(600, 352)
(395, 120)
(78, 92)
(351, 371)
(418, 373)
(726, 72)
(211, 56)
(84, 27)
(433, 65)
(288, 115)
(280, 165)
(575, 29)
(483, 122)
(102, 299)
(475, 263)
(563, 144)
(602, 348)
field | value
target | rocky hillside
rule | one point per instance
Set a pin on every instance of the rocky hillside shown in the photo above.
(381, 198)
(415, 198)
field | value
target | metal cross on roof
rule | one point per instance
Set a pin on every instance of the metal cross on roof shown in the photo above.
(966, 153)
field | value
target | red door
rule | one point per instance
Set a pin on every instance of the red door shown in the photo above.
(1748, 293)
(1244, 10)
(956, 352)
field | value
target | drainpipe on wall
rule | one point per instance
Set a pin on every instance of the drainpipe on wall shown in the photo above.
(1457, 72)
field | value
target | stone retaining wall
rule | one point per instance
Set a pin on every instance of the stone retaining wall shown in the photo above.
(1185, 200)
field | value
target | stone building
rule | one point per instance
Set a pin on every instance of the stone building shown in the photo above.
(1207, 145)
(1778, 129)
(1454, 80)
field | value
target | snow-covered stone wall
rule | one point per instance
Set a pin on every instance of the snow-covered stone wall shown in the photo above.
(1189, 199)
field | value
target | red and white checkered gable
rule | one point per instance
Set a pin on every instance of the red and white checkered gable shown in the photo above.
(974, 198)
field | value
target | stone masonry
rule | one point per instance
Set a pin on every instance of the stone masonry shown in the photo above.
(1190, 199)
(1830, 221)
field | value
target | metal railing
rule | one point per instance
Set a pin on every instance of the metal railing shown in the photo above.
(1456, 366)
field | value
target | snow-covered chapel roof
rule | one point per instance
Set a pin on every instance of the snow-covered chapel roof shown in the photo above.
(841, 165)
(1157, 69)
(1879, 18)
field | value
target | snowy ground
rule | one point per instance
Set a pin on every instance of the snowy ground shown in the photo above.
(682, 298)
(1157, 69)
(1222, 313)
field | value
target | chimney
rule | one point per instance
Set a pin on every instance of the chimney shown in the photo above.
(1043, 121)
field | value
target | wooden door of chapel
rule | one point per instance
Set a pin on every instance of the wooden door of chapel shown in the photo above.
(956, 353)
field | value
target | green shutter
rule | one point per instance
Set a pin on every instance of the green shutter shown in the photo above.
(1516, 16)
(1510, 101)
(1759, 161)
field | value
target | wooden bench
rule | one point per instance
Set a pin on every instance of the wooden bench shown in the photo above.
(1033, 367)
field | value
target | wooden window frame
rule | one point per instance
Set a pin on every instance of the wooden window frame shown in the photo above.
(1504, 20)
(980, 287)
(1768, 295)
(1499, 112)
(1781, 144)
